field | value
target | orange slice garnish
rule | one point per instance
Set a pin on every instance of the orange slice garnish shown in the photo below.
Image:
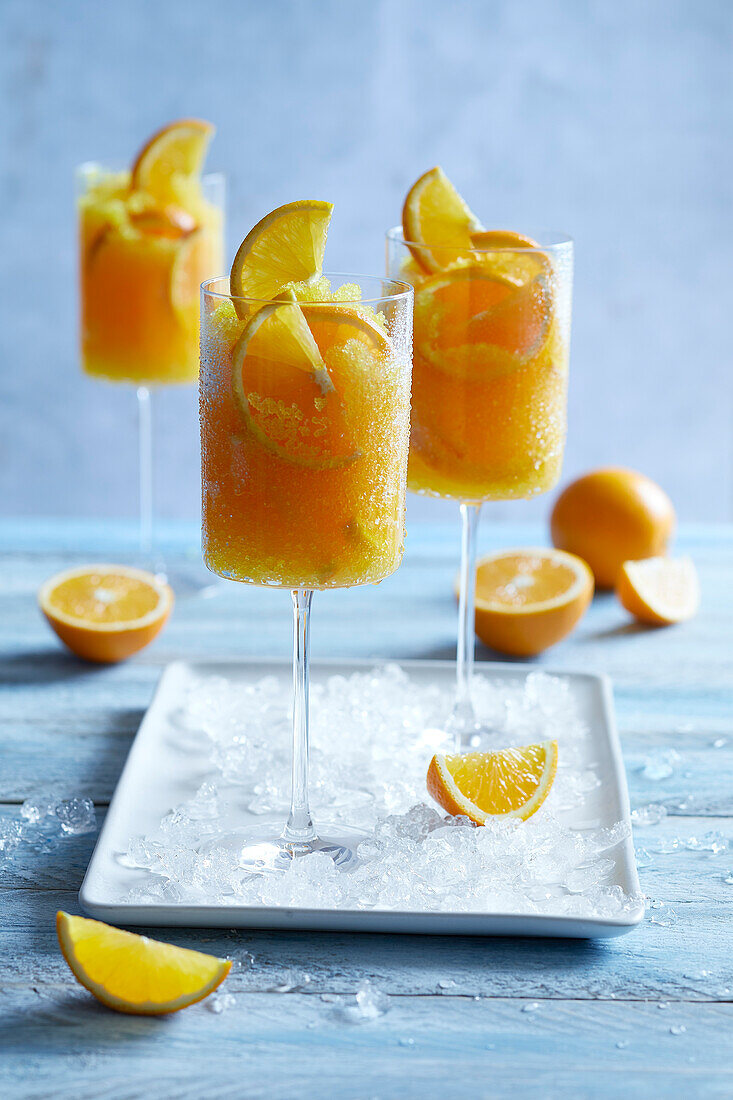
(177, 150)
(285, 247)
(105, 613)
(528, 600)
(436, 222)
(659, 591)
(135, 974)
(483, 785)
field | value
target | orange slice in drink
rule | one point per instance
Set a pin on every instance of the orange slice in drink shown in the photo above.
(171, 222)
(177, 150)
(193, 256)
(489, 239)
(482, 785)
(474, 322)
(436, 222)
(528, 600)
(285, 247)
(105, 613)
(511, 255)
(659, 591)
(135, 974)
(293, 378)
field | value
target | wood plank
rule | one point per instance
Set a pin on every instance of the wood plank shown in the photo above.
(60, 1042)
(686, 960)
(75, 740)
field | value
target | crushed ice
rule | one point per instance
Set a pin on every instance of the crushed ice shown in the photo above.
(45, 821)
(369, 1004)
(373, 735)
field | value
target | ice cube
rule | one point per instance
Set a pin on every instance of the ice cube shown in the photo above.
(370, 1004)
(76, 816)
(650, 814)
(221, 1002)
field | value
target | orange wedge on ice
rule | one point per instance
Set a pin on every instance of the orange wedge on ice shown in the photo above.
(436, 218)
(134, 974)
(285, 247)
(177, 150)
(105, 613)
(480, 785)
(659, 591)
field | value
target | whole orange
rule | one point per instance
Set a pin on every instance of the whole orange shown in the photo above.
(610, 516)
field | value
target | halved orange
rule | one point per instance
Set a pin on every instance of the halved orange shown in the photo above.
(483, 785)
(177, 150)
(436, 222)
(528, 600)
(135, 974)
(285, 247)
(659, 591)
(105, 613)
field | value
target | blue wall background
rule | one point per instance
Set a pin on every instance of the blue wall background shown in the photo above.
(609, 120)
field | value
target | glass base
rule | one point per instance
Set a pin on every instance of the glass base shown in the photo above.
(263, 849)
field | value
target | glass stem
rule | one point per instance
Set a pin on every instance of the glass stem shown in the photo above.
(145, 443)
(464, 718)
(299, 829)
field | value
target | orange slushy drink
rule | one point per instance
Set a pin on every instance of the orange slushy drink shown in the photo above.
(491, 339)
(305, 395)
(148, 239)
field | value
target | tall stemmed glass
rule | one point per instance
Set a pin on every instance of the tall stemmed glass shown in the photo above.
(141, 265)
(304, 441)
(489, 392)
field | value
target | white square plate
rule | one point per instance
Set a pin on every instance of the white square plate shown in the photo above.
(159, 775)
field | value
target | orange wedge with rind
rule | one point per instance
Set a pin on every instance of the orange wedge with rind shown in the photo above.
(177, 151)
(529, 599)
(134, 974)
(105, 613)
(659, 591)
(285, 247)
(436, 222)
(486, 785)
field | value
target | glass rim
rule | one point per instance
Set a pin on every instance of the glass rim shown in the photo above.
(86, 166)
(555, 240)
(405, 291)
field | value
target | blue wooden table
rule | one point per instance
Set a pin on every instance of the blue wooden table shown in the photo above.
(647, 1015)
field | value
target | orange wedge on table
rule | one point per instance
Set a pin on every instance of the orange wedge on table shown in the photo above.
(105, 613)
(437, 221)
(482, 785)
(285, 247)
(177, 151)
(659, 591)
(529, 599)
(135, 974)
